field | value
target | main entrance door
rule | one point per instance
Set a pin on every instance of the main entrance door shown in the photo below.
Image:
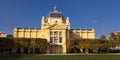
(56, 49)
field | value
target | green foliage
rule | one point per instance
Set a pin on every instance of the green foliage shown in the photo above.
(89, 44)
(103, 37)
(113, 39)
(23, 43)
(104, 44)
(6, 42)
(118, 39)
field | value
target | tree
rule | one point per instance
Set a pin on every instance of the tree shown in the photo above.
(88, 45)
(78, 45)
(84, 44)
(72, 45)
(118, 39)
(103, 37)
(28, 45)
(112, 38)
(104, 45)
(6, 44)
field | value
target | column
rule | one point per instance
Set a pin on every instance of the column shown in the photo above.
(64, 35)
(64, 49)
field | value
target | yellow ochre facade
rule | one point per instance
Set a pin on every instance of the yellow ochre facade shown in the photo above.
(56, 29)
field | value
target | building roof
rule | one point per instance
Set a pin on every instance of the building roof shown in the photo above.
(82, 29)
(28, 28)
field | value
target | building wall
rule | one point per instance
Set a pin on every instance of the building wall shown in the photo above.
(85, 34)
(50, 33)
(27, 33)
(3, 34)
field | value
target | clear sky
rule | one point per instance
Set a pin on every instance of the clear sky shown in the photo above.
(102, 15)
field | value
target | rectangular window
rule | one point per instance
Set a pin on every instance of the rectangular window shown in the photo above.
(60, 40)
(51, 33)
(51, 39)
(55, 33)
(55, 40)
(60, 33)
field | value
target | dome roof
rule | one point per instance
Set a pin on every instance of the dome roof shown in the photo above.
(55, 13)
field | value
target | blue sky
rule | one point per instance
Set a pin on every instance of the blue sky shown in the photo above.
(102, 15)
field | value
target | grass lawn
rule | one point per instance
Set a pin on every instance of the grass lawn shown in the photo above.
(61, 57)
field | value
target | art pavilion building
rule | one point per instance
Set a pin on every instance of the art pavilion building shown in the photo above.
(56, 29)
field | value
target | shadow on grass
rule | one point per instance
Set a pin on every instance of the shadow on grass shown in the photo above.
(15, 57)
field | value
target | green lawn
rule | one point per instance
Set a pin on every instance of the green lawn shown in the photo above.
(61, 57)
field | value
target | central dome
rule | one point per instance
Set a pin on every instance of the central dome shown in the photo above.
(55, 13)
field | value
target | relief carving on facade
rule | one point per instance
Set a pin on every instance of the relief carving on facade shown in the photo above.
(56, 27)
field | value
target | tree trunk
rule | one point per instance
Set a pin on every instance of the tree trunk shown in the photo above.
(81, 50)
(33, 50)
(86, 50)
(29, 50)
(21, 50)
(14, 51)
